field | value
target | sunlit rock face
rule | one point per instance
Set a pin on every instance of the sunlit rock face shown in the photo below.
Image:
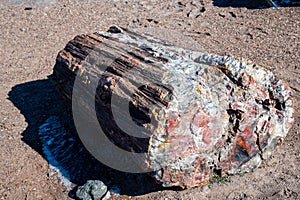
(226, 116)
(216, 114)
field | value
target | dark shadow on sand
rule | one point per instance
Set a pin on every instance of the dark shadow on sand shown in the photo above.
(250, 4)
(38, 101)
(253, 4)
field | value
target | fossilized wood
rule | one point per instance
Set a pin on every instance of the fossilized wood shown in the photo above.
(213, 114)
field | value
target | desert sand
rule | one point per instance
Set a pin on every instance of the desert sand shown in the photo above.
(33, 33)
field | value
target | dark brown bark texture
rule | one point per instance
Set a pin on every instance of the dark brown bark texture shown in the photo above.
(203, 113)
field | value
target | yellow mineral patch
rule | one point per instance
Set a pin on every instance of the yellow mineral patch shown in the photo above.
(198, 89)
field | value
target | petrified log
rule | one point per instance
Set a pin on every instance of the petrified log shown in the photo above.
(201, 113)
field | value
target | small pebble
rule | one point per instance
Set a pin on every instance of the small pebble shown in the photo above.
(93, 189)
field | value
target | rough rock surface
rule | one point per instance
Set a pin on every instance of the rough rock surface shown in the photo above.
(92, 190)
(219, 114)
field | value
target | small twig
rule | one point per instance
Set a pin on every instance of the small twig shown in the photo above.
(272, 3)
(297, 90)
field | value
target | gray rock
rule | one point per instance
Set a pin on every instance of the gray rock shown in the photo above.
(92, 190)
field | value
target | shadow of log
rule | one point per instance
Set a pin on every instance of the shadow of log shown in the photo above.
(36, 100)
(250, 4)
(52, 134)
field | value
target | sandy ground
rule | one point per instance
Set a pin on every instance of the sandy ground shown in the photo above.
(32, 35)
